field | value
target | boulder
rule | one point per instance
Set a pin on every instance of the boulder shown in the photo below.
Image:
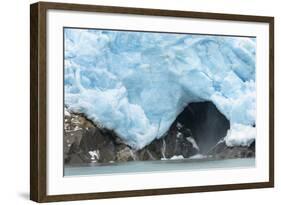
(125, 154)
(222, 151)
(94, 140)
(177, 141)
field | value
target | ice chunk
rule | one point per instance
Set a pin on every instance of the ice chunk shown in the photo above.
(176, 157)
(95, 155)
(240, 135)
(66, 113)
(198, 156)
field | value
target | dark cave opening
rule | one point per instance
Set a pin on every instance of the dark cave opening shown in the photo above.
(207, 124)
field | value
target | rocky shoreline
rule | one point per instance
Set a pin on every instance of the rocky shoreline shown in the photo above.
(86, 142)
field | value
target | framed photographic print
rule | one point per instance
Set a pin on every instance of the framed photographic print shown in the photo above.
(134, 102)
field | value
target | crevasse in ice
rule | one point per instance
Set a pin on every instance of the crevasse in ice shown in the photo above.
(136, 83)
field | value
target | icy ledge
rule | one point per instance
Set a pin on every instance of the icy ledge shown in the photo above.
(137, 83)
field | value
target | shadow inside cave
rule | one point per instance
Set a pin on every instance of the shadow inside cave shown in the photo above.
(207, 124)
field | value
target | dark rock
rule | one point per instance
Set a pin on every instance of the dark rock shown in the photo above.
(74, 159)
(153, 151)
(222, 151)
(125, 154)
(146, 154)
(253, 146)
(71, 143)
(82, 137)
(197, 130)
(94, 140)
(178, 141)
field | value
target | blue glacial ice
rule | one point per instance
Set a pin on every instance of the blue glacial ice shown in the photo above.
(137, 83)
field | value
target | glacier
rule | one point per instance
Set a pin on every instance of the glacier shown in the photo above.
(137, 83)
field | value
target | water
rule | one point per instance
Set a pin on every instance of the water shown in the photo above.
(157, 166)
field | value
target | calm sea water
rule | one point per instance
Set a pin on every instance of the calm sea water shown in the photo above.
(157, 166)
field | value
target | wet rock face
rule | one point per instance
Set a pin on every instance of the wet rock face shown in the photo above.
(74, 128)
(206, 123)
(125, 154)
(94, 141)
(199, 129)
(222, 151)
(86, 142)
(177, 142)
